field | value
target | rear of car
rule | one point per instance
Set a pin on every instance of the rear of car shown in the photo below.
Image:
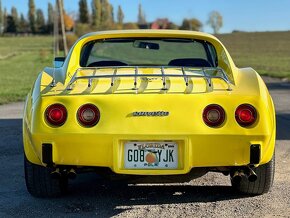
(149, 103)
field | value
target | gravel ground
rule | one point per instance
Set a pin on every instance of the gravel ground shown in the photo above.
(208, 196)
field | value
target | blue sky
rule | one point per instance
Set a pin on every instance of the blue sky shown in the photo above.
(245, 15)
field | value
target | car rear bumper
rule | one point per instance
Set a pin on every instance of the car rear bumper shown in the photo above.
(108, 150)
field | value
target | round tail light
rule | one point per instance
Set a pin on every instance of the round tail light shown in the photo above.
(56, 114)
(88, 115)
(213, 115)
(246, 115)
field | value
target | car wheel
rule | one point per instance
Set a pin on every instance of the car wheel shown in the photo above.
(264, 182)
(40, 183)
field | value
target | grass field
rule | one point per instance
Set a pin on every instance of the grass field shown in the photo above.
(21, 58)
(267, 52)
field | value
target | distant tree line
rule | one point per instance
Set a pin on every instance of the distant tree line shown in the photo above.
(34, 22)
(99, 15)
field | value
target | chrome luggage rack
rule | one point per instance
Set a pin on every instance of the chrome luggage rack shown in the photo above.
(186, 73)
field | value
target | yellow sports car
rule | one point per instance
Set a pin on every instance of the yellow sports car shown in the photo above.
(160, 106)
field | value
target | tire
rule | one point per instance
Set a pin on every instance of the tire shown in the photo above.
(265, 177)
(39, 182)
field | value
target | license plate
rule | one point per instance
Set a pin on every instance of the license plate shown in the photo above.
(151, 155)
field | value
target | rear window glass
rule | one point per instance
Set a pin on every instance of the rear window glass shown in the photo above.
(142, 52)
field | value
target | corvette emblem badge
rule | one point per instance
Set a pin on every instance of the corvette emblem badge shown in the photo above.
(150, 113)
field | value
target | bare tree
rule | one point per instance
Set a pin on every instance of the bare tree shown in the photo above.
(215, 21)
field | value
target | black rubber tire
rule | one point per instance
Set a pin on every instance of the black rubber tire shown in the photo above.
(265, 177)
(39, 182)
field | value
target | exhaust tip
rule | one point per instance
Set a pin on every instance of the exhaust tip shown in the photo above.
(72, 174)
(247, 173)
(55, 174)
(237, 177)
(252, 177)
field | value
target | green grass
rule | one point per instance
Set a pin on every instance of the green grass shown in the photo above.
(267, 52)
(22, 58)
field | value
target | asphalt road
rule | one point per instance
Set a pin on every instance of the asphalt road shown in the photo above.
(208, 196)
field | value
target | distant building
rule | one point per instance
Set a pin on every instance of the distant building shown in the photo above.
(160, 23)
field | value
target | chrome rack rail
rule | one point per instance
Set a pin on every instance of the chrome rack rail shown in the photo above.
(185, 73)
(185, 76)
(114, 77)
(135, 79)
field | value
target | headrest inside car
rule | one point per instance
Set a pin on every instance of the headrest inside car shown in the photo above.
(189, 62)
(107, 64)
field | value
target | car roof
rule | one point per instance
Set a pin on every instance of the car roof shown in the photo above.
(151, 33)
